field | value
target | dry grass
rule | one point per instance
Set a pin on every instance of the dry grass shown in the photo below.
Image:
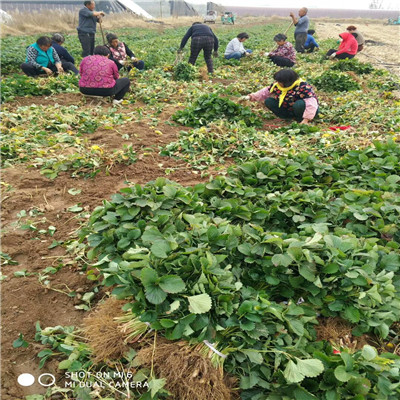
(189, 375)
(103, 333)
(338, 332)
(67, 21)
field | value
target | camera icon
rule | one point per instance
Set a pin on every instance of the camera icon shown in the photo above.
(45, 379)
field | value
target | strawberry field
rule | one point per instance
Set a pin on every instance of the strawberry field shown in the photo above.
(186, 245)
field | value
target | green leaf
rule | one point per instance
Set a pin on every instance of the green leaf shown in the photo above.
(152, 235)
(21, 273)
(155, 385)
(369, 352)
(160, 248)
(20, 342)
(359, 386)
(360, 217)
(302, 394)
(341, 374)
(296, 326)
(348, 360)
(167, 323)
(154, 294)
(75, 209)
(148, 276)
(253, 355)
(311, 367)
(200, 304)
(295, 252)
(352, 314)
(281, 259)
(172, 284)
(74, 192)
(65, 364)
(292, 373)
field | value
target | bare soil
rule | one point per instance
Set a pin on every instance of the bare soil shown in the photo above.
(383, 41)
(25, 300)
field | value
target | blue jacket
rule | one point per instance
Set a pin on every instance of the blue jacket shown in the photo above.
(43, 57)
(310, 40)
(63, 53)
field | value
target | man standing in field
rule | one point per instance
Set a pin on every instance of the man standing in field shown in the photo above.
(87, 27)
(300, 33)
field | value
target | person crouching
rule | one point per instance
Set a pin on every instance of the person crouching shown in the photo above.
(235, 48)
(120, 53)
(289, 97)
(100, 77)
(285, 54)
(347, 49)
(41, 59)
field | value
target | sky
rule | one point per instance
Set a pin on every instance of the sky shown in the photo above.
(296, 4)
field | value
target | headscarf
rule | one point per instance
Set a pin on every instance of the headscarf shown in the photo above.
(284, 90)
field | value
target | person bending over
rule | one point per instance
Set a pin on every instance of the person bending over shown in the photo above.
(41, 59)
(235, 48)
(67, 61)
(348, 48)
(100, 77)
(284, 55)
(288, 97)
(120, 53)
(310, 45)
(203, 38)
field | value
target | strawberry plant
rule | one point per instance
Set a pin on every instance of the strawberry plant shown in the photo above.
(210, 107)
(185, 72)
(352, 65)
(332, 81)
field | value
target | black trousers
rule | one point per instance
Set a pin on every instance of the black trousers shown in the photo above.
(87, 43)
(297, 111)
(205, 43)
(341, 56)
(282, 61)
(118, 91)
(310, 48)
(31, 70)
(68, 66)
(300, 40)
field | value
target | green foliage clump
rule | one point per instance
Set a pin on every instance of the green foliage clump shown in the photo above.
(333, 81)
(227, 261)
(353, 65)
(21, 85)
(211, 107)
(185, 72)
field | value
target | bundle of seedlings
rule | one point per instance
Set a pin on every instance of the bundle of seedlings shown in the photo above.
(189, 374)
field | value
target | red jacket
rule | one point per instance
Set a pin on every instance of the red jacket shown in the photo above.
(349, 44)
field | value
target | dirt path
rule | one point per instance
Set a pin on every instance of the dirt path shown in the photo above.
(382, 52)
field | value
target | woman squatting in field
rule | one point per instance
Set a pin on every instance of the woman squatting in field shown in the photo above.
(288, 97)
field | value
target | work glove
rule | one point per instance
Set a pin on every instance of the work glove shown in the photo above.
(180, 51)
(122, 62)
(134, 59)
(332, 56)
(215, 54)
(266, 54)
